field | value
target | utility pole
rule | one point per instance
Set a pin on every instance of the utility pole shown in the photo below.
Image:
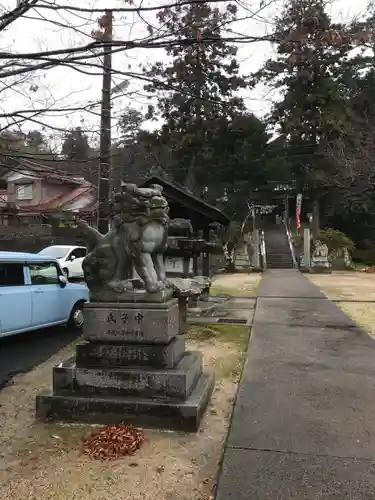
(190, 178)
(105, 170)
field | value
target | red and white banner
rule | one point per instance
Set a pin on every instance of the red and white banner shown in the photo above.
(298, 210)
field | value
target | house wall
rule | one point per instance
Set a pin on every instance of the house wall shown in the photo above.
(3, 197)
(37, 192)
(43, 190)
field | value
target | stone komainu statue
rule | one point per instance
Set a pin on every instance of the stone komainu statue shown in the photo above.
(138, 238)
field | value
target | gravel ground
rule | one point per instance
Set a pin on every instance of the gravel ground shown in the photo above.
(40, 461)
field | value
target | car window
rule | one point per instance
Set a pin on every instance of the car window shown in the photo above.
(11, 274)
(80, 252)
(45, 273)
(73, 253)
(54, 252)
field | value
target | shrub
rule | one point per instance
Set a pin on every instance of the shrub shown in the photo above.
(366, 256)
(297, 239)
(336, 240)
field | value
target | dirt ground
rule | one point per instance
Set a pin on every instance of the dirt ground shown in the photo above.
(44, 462)
(236, 285)
(351, 287)
(346, 285)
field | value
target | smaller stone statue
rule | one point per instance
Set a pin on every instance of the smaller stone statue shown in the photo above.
(138, 239)
(348, 262)
(320, 250)
(319, 258)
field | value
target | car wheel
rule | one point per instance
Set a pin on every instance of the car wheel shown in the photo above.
(66, 272)
(76, 318)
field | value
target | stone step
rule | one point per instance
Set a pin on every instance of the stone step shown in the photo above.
(175, 383)
(280, 255)
(242, 262)
(279, 259)
(101, 355)
(149, 413)
(286, 266)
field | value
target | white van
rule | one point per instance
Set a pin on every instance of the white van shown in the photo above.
(70, 258)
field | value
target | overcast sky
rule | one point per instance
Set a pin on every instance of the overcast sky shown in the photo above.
(62, 87)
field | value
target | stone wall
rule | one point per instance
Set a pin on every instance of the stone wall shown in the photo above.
(34, 238)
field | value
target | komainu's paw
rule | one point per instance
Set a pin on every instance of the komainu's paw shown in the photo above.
(158, 287)
(120, 286)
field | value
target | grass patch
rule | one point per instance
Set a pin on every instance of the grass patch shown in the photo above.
(220, 291)
(358, 266)
(236, 334)
(217, 291)
(229, 364)
(78, 340)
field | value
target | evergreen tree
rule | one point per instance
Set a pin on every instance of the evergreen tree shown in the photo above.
(76, 145)
(35, 138)
(197, 86)
(311, 68)
(129, 125)
(235, 155)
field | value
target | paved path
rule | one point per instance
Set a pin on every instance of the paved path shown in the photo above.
(21, 353)
(304, 421)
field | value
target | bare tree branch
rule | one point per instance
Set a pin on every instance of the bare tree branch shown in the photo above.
(23, 6)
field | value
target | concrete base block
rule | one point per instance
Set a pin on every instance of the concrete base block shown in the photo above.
(99, 355)
(149, 413)
(177, 382)
(124, 322)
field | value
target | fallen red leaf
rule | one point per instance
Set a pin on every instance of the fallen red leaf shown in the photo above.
(112, 442)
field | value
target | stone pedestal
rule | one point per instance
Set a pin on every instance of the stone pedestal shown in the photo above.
(241, 259)
(320, 265)
(319, 260)
(133, 368)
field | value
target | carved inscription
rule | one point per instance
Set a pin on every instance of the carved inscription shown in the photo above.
(124, 317)
(111, 318)
(132, 325)
(136, 355)
(173, 319)
(118, 317)
(127, 353)
(136, 334)
(138, 318)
